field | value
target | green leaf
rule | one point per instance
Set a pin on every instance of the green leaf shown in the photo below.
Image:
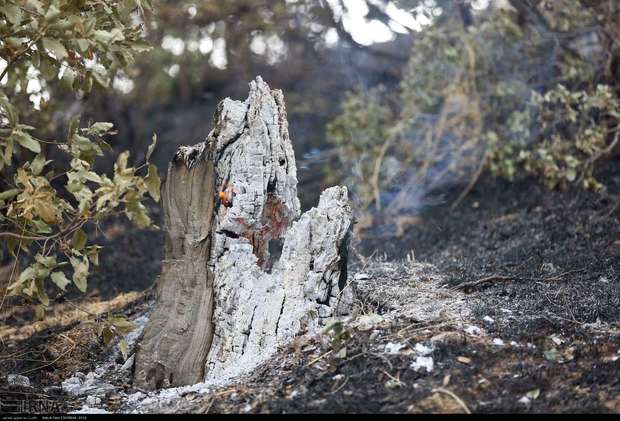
(533, 394)
(25, 140)
(38, 163)
(93, 254)
(82, 44)
(40, 293)
(8, 151)
(153, 183)
(124, 349)
(9, 194)
(141, 46)
(52, 14)
(122, 325)
(26, 275)
(121, 162)
(79, 240)
(108, 37)
(12, 12)
(80, 272)
(36, 4)
(39, 312)
(10, 111)
(74, 123)
(41, 227)
(136, 211)
(46, 261)
(101, 127)
(151, 147)
(100, 79)
(108, 335)
(60, 280)
(67, 78)
(48, 68)
(56, 47)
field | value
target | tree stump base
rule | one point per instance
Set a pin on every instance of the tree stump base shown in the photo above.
(243, 272)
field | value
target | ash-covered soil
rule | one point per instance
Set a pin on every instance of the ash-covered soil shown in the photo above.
(554, 255)
(511, 304)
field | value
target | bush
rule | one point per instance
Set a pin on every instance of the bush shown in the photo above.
(50, 49)
(507, 96)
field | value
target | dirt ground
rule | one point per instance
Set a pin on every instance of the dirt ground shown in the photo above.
(541, 274)
(523, 286)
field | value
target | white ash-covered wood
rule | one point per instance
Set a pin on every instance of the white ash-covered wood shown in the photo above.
(244, 272)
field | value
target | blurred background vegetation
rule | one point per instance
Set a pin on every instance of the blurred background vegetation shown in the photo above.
(398, 99)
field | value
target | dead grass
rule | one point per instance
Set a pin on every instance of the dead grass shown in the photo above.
(63, 315)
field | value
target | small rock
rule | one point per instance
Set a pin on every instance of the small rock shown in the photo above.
(488, 319)
(361, 276)
(368, 321)
(90, 386)
(498, 342)
(548, 267)
(463, 360)
(93, 400)
(556, 339)
(135, 397)
(426, 363)
(72, 385)
(88, 410)
(129, 363)
(525, 400)
(393, 348)
(423, 350)
(18, 380)
(473, 330)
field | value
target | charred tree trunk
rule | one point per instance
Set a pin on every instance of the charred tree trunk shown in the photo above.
(243, 272)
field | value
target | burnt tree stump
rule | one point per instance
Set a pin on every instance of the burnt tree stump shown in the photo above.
(243, 272)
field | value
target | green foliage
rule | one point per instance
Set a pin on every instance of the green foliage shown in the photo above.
(336, 336)
(362, 130)
(63, 45)
(579, 128)
(469, 100)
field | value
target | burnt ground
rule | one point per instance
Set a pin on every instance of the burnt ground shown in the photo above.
(523, 234)
(537, 269)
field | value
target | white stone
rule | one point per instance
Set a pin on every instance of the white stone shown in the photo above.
(473, 330)
(18, 380)
(393, 347)
(421, 362)
(498, 342)
(423, 350)
(488, 319)
(88, 410)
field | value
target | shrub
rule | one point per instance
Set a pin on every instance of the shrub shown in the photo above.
(51, 48)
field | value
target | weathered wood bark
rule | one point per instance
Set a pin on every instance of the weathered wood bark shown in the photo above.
(243, 273)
